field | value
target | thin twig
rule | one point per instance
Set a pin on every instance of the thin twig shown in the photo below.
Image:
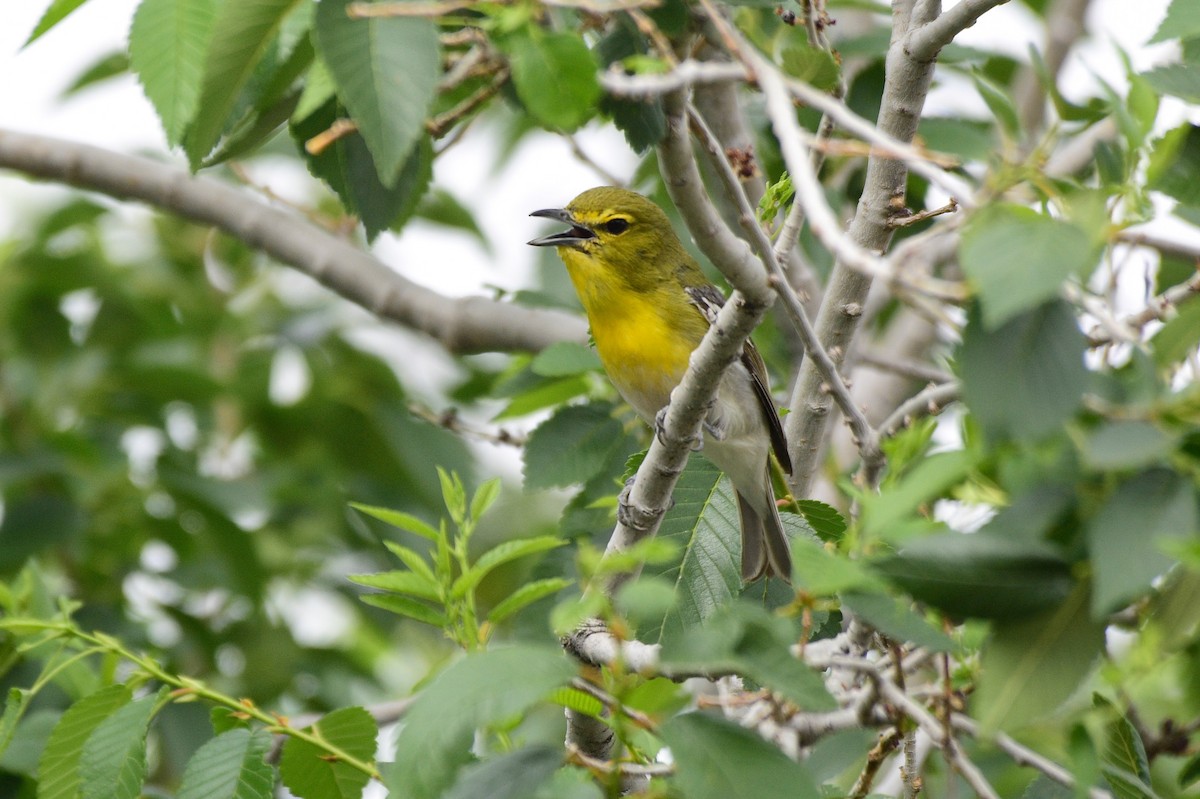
(607, 767)
(926, 41)
(928, 402)
(449, 420)
(905, 367)
(1158, 308)
(889, 739)
(612, 703)
(439, 125)
(1024, 756)
(912, 219)
(340, 128)
(791, 302)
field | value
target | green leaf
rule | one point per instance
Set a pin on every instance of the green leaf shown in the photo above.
(824, 519)
(404, 606)
(813, 65)
(400, 582)
(113, 764)
(925, 482)
(14, 706)
(400, 519)
(386, 71)
(544, 395)
(411, 559)
(555, 77)
(823, 573)
(980, 575)
(1045, 788)
(577, 700)
(241, 33)
(318, 90)
(378, 206)
(272, 104)
(1174, 167)
(572, 446)
(1181, 22)
(1125, 785)
(1176, 609)
(59, 764)
(717, 759)
(515, 775)
(26, 746)
(564, 358)
(898, 620)
(307, 770)
(1126, 445)
(167, 45)
(643, 122)
(658, 696)
(1178, 337)
(454, 494)
(570, 783)
(970, 140)
(1178, 80)
(477, 691)
(499, 555)
(485, 495)
(1190, 773)
(745, 638)
(999, 103)
(56, 13)
(110, 66)
(1031, 666)
(1027, 377)
(1017, 258)
(230, 766)
(703, 523)
(1123, 747)
(1126, 534)
(525, 596)
(645, 600)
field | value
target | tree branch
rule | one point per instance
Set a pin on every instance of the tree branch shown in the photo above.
(928, 401)
(791, 302)
(1065, 25)
(905, 87)
(926, 41)
(1025, 756)
(472, 324)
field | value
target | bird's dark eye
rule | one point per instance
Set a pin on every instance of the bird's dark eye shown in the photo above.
(616, 226)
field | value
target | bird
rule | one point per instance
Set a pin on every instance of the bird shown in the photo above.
(648, 305)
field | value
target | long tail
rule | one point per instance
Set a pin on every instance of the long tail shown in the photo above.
(765, 549)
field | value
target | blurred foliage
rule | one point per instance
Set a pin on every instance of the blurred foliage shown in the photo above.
(183, 429)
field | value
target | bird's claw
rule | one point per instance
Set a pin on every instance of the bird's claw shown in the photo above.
(660, 425)
(715, 429)
(625, 514)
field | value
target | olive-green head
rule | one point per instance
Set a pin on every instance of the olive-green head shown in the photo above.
(618, 230)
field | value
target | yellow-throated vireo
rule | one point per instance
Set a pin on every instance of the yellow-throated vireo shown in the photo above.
(649, 305)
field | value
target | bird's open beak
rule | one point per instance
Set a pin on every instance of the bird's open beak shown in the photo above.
(574, 237)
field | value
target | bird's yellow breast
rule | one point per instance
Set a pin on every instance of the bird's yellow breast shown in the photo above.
(639, 336)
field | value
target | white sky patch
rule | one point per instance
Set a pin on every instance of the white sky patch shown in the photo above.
(291, 377)
(316, 617)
